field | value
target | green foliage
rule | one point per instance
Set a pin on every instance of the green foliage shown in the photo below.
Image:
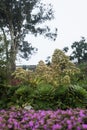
(79, 56)
(79, 51)
(70, 97)
(23, 90)
(44, 96)
(15, 96)
(76, 96)
(60, 91)
(65, 49)
(43, 91)
(82, 77)
(4, 97)
(48, 87)
(24, 95)
(44, 105)
(80, 92)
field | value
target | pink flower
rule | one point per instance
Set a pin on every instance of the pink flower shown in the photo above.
(31, 123)
(57, 127)
(84, 126)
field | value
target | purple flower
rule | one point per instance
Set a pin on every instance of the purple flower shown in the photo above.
(20, 119)
(84, 126)
(31, 123)
(82, 113)
(68, 122)
(78, 128)
(9, 126)
(57, 127)
(70, 127)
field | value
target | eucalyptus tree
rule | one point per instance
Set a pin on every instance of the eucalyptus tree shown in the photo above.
(21, 17)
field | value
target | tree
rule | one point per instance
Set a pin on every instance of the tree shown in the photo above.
(65, 49)
(21, 17)
(79, 51)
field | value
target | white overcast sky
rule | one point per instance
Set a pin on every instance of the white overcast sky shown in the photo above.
(71, 21)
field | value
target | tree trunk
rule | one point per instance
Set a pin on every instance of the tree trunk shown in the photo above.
(7, 55)
(12, 59)
(13, 50)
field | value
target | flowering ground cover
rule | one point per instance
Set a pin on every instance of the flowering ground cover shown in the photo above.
(21, 119)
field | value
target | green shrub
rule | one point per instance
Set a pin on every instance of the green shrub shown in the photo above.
(75, 96)
(62, 97)
(82, 76)
(44, 91)
(80, 94)
(43, 96)
(4, 95)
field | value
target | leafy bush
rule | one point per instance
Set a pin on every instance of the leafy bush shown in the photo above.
(70, 97)
(43, 96)
(80, 94)
(3, 95)
(45, 91)
(75, 96)
(82, 77)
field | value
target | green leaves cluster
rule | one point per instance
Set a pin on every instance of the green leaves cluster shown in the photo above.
(79, 52)
(44, 96)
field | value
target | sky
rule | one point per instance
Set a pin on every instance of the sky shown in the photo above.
(71, 22)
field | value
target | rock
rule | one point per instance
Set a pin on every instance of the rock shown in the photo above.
(28, 107)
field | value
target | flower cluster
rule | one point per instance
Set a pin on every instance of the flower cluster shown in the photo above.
(21, 119)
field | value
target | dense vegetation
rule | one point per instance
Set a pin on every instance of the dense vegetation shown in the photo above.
(58, 85)
(56, 92)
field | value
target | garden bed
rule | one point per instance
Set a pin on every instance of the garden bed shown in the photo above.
(21, 119)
